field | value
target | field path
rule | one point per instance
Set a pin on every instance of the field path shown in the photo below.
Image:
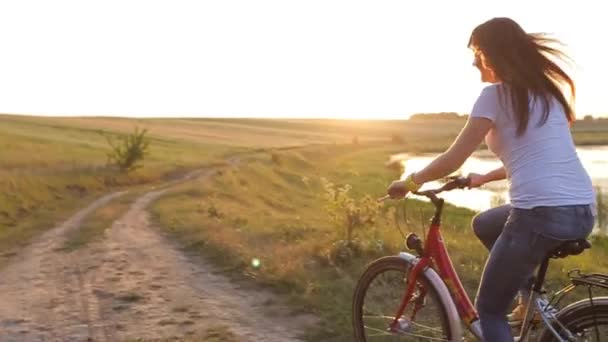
(134, 284)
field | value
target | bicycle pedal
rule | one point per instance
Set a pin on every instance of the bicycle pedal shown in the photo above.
(403, 326)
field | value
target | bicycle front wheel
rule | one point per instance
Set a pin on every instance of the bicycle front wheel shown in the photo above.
(377, 297)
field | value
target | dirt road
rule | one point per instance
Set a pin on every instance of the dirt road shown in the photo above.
(134, 284)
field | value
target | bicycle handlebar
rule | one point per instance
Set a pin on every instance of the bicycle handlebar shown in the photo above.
(454, 183)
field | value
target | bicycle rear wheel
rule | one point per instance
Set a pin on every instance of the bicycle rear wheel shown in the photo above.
(377, 297)
(587, 323)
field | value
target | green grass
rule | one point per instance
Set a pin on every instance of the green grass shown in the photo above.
(271, 209)
(34, 220)
(51, 167)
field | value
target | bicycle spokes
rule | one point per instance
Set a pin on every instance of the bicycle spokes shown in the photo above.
(420, 322)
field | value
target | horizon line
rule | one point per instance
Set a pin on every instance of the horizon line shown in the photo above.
(137, 116)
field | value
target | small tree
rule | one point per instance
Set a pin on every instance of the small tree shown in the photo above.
(128, 151)
(347, 212)
(350, 215)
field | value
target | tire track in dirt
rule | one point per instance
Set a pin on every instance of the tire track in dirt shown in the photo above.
(38, 287)
(135, 283)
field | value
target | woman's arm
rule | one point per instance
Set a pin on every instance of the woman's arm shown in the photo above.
(494, 175)
(451, 160)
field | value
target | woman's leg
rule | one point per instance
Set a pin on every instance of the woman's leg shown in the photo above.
(515, 255)
(528, 236)
(488, 225)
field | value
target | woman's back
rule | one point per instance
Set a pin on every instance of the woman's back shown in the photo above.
(542, 165)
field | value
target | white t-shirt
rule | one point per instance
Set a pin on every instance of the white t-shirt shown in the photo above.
(542, 166)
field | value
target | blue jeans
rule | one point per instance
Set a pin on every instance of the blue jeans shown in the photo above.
(518, 241)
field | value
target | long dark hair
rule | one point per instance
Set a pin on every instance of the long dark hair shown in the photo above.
(521, 61)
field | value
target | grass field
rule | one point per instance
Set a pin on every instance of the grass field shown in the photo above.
(271, 208)
(48, 165)
(51, 167)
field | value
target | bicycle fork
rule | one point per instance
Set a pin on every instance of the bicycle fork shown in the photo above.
(396, 325)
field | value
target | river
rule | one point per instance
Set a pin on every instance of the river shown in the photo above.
(594, 159)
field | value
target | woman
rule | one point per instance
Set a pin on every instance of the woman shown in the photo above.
(524, 116)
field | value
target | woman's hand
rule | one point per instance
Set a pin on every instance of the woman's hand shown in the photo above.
(397, 189)
(477, 180)
(400, 188)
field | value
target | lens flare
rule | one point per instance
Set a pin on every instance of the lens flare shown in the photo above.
(256, 263)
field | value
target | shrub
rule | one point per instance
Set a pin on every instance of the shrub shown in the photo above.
(350, 215)
(128, 151)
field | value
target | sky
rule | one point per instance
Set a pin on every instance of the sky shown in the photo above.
(322, 59)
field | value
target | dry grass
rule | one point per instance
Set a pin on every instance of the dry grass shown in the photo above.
(51, 167)
(271, 210)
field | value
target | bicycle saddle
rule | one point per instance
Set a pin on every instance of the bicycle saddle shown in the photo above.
(570, 247)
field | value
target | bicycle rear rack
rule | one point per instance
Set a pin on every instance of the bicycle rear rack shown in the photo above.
(577, 278)
(591, 279)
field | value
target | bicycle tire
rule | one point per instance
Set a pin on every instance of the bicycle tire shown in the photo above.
(371, 272)
(581, 317)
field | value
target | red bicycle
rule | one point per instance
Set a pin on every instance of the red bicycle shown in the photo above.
(421, 298)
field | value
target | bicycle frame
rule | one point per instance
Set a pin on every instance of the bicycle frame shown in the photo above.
(435, 255)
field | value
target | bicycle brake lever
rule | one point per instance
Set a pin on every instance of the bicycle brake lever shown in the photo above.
(461, 182)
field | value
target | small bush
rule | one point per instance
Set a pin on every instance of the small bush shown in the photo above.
(128, 151)
(349, 214)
